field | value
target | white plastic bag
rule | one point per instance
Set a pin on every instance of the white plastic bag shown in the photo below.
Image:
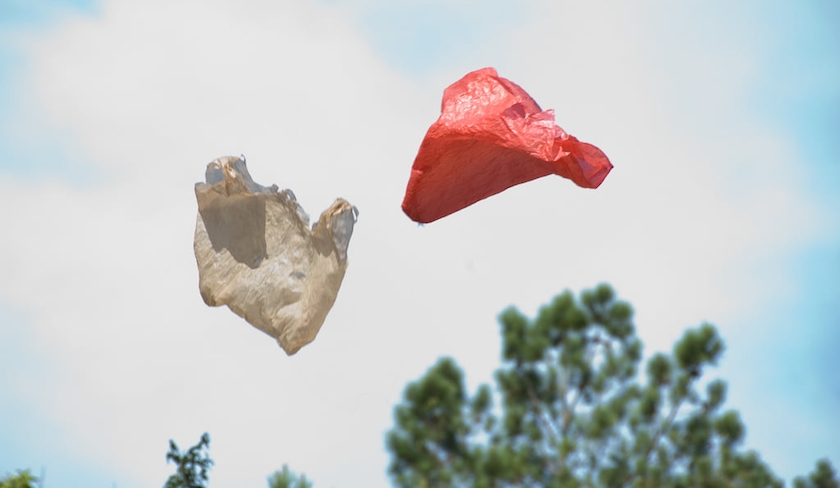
(257, 255)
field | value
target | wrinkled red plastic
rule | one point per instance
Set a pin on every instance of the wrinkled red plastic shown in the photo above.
(491, 135)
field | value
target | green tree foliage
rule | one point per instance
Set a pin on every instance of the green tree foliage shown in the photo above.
(285, 478)
(23, 479)
(823, 476)
(573, 411)
(192, 466)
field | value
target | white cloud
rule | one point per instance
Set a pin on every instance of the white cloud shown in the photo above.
(152, 91)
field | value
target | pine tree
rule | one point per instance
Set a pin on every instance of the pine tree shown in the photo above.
(285, 478)
(573, 411)
(23, 479)
(191, 466)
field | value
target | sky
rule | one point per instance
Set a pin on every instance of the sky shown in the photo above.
(721, 120)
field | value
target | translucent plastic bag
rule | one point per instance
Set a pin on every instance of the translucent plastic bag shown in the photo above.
(257, 254)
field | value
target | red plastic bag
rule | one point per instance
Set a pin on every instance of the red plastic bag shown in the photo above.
(491, 135)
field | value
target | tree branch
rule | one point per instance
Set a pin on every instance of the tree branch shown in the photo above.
(663, 427)
(547, 425)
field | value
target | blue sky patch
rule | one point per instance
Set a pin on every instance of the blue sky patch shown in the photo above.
(29, 13)
(418, 37)
(48, 159)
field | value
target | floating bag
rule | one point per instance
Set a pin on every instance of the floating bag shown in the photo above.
(491, 135)
(257, 255)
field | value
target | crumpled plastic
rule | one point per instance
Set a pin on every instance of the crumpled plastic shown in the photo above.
(491, 135)
(257, 255)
